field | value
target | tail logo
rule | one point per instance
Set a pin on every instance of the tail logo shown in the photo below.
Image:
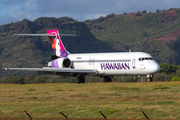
(57, 44)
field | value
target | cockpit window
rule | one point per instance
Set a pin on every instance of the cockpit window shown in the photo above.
(146, 58)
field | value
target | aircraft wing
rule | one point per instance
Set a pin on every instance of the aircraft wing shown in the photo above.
(56, 71)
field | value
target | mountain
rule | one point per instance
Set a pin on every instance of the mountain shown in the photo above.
(23, 51)
(155, 33)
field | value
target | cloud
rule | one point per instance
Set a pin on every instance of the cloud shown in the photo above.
(16, 10)
(93, 16)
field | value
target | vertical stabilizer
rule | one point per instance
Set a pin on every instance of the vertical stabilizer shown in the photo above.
(57, 45)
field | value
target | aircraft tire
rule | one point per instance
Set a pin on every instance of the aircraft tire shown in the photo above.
(150, 79)
(80, 80)
(107, 79)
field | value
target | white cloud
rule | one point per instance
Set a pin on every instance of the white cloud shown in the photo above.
(93, 16)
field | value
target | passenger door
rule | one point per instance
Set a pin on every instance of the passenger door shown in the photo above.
(134, 63)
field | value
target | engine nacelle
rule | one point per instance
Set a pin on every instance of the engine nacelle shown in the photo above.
(60, 63)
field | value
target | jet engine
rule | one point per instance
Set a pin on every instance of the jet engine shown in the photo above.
(60, 63)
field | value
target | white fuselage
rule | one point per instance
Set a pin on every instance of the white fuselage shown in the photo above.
(112, 64)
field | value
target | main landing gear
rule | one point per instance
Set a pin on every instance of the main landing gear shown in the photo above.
(80, 79)
(107, 79)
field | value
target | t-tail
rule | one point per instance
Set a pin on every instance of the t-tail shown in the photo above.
(57, 45)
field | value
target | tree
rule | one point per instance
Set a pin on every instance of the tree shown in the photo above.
(157, 11)
(110, 16)
(138, 14)
(19, 79)
(100, 19)
(125, 13)
(167, 68)
(144, 11)
(144, 34)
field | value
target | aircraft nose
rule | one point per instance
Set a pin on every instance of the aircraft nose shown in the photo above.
(156, 68)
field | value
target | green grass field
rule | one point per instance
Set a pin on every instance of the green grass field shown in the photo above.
(159, 100)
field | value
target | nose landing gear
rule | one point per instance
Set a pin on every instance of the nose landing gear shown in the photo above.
(150, 78)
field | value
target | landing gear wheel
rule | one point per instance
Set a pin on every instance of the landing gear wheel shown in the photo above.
(150, 79)
(107, 79)
(80, 79)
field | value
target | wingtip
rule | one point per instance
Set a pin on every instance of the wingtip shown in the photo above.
(5, 68)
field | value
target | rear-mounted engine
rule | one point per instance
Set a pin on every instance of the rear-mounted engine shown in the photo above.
(60, 63)
(66, 63)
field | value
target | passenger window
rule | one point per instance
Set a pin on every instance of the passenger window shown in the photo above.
(139, 59)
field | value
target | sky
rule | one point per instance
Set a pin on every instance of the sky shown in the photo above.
(80, 10)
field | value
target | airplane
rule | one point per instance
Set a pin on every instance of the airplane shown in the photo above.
(105, 65)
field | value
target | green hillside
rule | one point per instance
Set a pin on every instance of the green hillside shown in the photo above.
(134, 27)
(141, 31)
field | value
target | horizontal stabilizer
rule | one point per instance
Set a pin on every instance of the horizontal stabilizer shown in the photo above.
(45, 35)
(36, 34)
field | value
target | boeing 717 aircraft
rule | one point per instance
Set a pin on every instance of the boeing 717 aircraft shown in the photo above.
(104, 65)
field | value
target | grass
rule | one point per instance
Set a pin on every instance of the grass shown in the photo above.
(159, 100)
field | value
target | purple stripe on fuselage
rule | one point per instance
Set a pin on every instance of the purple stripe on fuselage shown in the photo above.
(114, 66)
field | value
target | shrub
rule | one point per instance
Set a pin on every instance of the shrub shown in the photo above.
(123, 88)
(14, 80)
(161, 87)
(159, 77)
(130, 79)
(175, 79)
(30, 79)
(32, 89)
(178, 73)
(40, 79)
